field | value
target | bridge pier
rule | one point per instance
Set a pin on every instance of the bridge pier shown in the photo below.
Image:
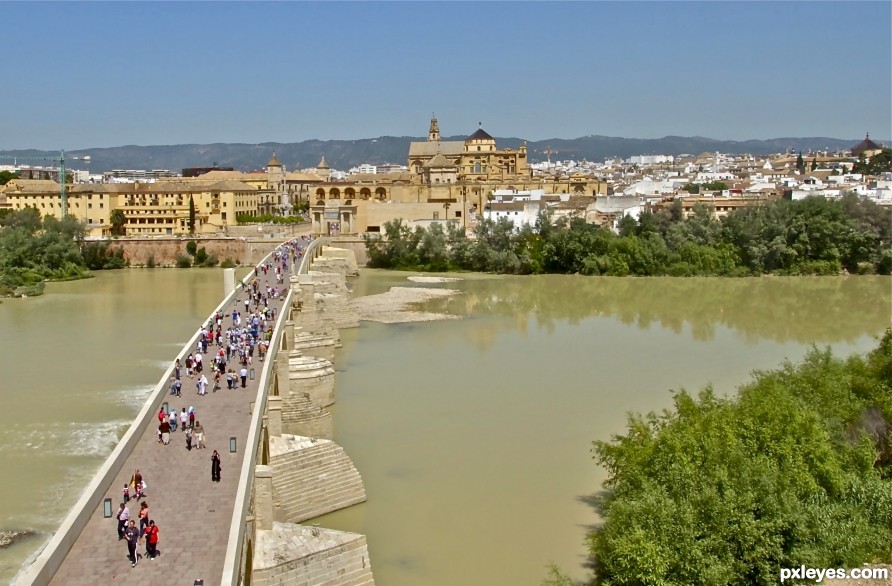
(307, 475)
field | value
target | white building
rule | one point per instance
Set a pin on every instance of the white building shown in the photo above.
(522, 212)
(645, 160)
(364, 169)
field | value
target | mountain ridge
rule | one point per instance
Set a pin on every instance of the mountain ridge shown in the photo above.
(344, 154)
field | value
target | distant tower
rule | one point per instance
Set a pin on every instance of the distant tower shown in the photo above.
(323, 170)
(275, 174)
(433, 134)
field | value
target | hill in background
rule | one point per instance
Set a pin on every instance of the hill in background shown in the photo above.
(344, 154)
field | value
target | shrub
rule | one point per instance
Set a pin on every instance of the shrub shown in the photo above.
(150, 261)
(228, 264)
(200, 256)
(211, 260)
(184, 261)
(192, 247)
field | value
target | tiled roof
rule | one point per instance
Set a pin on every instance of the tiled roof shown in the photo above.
(439, 160)
(429, 149)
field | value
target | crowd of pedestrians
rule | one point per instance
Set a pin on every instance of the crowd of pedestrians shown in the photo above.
(224, 352)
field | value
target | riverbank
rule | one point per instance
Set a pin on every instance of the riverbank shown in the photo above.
(400, 304)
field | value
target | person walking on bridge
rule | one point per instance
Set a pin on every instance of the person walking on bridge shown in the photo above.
(152, 540)
(215, 467)
(132, 536)
(199, 436)
(123, 518)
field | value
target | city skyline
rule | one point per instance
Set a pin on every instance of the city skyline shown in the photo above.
(94, 75)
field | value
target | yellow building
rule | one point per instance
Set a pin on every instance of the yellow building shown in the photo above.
(92, 207)
(476, 158)
(150, 209)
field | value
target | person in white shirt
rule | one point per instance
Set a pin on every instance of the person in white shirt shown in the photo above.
(202, 385)
(243, 373)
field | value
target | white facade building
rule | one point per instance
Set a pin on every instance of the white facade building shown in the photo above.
(645, 160)
(524, 212)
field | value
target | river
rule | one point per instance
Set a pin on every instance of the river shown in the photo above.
(472, 435)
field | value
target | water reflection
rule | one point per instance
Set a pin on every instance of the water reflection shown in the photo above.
(817, 310)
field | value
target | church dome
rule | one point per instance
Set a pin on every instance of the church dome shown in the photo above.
(865, 145)
(479, 135)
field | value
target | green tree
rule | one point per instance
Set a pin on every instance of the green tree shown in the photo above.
(800, 163)
(628, 226)
(118, 221)
(6, 177)
(726, 490)
(191, 215)
(879, 163)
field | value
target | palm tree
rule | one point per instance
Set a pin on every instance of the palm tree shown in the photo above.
(446, 207)
(117, 220)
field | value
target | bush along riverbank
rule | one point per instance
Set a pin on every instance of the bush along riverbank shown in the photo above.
(795, 470)
(813, 236)
(34, 251)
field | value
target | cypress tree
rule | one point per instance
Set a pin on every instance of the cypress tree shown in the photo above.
(191, 215)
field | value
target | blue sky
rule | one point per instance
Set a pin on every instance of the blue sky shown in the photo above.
(99, 74)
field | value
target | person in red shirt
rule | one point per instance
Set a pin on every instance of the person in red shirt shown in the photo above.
(152, 540)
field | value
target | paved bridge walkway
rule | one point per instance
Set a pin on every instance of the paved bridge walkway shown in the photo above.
(192, 512)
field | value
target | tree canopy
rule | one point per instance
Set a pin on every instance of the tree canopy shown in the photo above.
(34, 250)
(794, 470)
(879, 163)
(809, 236)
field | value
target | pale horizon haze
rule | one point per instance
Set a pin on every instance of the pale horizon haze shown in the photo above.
(83, 75)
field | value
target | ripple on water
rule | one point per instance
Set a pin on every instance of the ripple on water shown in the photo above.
(94, 440)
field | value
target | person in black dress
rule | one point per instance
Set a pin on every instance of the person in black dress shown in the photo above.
(215, 467)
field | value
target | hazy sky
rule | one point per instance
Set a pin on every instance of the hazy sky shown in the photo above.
(98, 74)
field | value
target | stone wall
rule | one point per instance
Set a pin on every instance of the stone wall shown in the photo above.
(303, 474)
(310, 377)
(311, 477)
(354, 244)
(166, 250)
(293, 554)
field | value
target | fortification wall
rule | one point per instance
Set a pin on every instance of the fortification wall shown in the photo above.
(165, 250)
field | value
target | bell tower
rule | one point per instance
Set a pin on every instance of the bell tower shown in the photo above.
(433, 134)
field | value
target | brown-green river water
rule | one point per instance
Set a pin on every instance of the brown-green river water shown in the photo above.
(472, 435)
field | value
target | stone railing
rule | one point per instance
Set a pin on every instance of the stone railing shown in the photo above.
(311, 252)
(232, 565)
